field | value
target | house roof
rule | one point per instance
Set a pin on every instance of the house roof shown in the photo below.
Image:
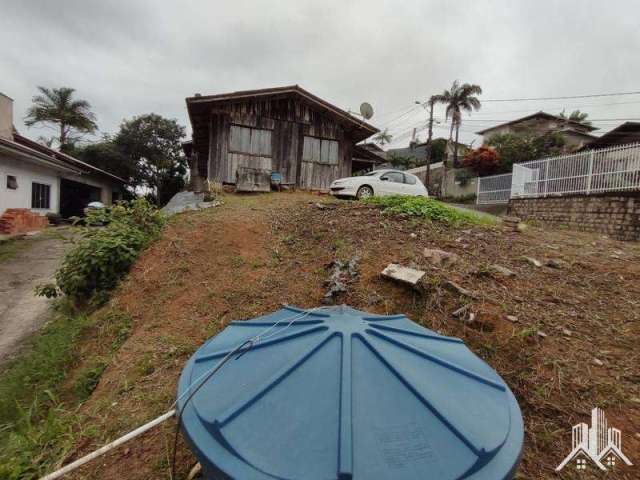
(369, 151)
(419, 150)
(628, 132)
(55, 158)
(199, 106)
(542, 115)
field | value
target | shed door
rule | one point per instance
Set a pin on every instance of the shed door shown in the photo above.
(249, 148)
(285, 150)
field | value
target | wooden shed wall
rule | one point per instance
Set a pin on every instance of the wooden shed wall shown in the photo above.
(289, 121)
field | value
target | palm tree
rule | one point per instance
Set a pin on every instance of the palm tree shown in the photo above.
(458, 99)
(383, 137)
(576, 116)
(57, 106)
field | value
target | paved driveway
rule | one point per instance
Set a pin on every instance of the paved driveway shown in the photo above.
(21, 312)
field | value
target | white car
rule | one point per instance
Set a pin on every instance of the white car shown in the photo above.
(379, 183)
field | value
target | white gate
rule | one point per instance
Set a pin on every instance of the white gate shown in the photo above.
(524, 182)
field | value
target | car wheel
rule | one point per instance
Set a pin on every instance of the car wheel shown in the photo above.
(364, 192)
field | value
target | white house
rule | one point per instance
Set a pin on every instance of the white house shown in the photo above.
(43, 180)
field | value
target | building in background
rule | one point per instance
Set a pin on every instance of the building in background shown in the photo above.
(576, 134)
(242, 138)
(41, 180)
(628, 132)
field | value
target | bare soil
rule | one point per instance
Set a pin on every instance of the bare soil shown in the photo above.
(574, 345)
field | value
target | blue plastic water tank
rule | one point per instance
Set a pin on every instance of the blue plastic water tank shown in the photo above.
(346, 394)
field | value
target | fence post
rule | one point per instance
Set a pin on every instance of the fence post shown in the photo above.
(590, 175)
(477, 190)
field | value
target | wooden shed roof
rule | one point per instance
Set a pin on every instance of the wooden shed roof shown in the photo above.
(200, 106)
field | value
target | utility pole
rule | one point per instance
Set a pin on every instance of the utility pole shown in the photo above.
(429, 137)
(428, 147)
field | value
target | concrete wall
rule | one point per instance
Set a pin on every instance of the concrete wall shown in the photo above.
(26, 173)
(454, 188)
(6, 117)
(615, 215)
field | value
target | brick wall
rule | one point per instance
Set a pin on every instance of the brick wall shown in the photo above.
(615, 215)
(21, 220)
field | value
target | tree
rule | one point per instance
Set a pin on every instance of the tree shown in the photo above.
(483, 161)
(109, 156)
(403, 161)
(518, 148)
(383, 137)
(458, 99)
(576, 116)
(438, 150)
(152, 145)
(56, 106)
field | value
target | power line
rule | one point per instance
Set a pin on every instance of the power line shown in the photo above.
(487, 120)
(616, 94)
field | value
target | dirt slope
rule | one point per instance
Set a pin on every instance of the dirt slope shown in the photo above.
(254, 253)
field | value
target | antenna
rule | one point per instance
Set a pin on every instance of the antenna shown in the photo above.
(366, 110)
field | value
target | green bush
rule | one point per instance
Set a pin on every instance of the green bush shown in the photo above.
(427, 208)
(104, 254)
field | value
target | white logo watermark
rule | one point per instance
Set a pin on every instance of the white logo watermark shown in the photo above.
(598, 444)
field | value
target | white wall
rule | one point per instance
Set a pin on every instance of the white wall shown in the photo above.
(26, 173)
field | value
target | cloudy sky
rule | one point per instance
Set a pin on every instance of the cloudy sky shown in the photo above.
(134, 57)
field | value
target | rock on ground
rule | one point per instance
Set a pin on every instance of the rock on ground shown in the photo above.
(183, 201)
(407, 275)
(440, 257)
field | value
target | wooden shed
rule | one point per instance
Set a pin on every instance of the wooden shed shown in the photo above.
(241, 138)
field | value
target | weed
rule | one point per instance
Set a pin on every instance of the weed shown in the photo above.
(88, 379)
(145, 365)
(103, 256)
(429, 209)
(10, 248)
(237, 261)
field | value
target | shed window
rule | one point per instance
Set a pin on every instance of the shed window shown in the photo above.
(251, 141)
(12, 182)
(40, 195)
(320, 150)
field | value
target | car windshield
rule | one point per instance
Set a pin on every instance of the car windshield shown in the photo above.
(371, 174)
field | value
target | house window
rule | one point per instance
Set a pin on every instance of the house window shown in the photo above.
(12, 182)
(250, 141)
(320, 150)
(581, 464)
(40, 195)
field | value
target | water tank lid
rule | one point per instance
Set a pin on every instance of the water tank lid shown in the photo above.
(345, 394)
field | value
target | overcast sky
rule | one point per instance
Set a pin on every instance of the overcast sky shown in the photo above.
(134, 57)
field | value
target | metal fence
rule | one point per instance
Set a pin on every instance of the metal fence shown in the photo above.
(594, 171)
(494, 189)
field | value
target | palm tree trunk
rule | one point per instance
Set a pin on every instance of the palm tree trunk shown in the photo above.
(63, 137)
(455, 147)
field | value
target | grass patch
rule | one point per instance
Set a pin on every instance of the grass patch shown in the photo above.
(429, 209)
(9, 248)
(36, 427)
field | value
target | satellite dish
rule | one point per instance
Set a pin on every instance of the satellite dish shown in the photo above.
(366, 110)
